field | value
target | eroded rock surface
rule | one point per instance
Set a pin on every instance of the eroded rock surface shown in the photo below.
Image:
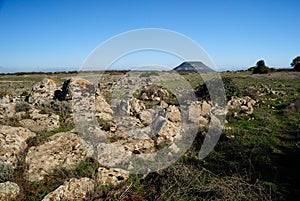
(42, 91)
(74, 189)
(62, 150)
(9, 191)
(13, 143)
(40, 122)
(111, 176)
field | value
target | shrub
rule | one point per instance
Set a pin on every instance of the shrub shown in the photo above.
(23, 107)
(230, 89)
(6, 172)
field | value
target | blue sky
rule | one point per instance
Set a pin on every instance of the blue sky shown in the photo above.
(47, 34)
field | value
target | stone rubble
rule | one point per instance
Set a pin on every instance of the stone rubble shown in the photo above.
(140, 125)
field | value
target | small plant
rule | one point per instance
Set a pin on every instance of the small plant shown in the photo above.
(6, 172)
(149, 74)
(23, 107)
(230, 89)
(104, 124)
(25, 93)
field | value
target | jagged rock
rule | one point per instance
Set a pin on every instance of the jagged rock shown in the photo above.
(42, 91)
(205, 108)
(112, 154)
(13, 143)
(9, 191)
(5, 99)
(7, 110)
(62, 150)
(138, 146)
(163, 94)
(41, 122)
(136, 106)
(82, 94)
(203, 121)
(111, 176)
(153, 93)
(244, 104)
(173, 113)
(74, 189)
(146, 117)
(102, 108)
(168, 132)
(163, 104)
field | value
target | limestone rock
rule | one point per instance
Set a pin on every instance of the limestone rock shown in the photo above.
(41, 122)
(203, 121)
(42, 91)
(74, 189)
(111, 176)
(82, 95)
(163, 104)
(112, 154)
(136, 106)
(9, 191)
(102, 108)
(13, 143)
(205, 108)
(146, 117)
(168, 132)
(138, 146)
(63, 150)
(7, 110)
(173, 113)
(243, 104)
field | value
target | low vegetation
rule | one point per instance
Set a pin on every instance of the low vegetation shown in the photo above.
(256, 159)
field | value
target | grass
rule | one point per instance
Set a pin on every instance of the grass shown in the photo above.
(259, 163)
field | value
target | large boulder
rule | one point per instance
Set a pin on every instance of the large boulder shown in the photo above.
(74, 189)
(13, 143)
(102, 108)
(42, 91)
(62, 150)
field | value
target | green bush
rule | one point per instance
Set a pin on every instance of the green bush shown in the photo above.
(230, 89)
(6, 172)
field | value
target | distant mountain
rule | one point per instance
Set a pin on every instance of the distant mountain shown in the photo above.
(193, 66)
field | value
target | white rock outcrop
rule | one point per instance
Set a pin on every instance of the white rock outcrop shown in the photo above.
(62, 150)
(9, 191)
(74, 189)
(13, 143)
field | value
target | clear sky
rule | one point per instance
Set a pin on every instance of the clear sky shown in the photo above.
(48, 34)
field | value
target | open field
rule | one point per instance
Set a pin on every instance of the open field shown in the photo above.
(256, 157)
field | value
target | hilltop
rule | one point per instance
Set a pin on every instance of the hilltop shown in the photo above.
(193, 66)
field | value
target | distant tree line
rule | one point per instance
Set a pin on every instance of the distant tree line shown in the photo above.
(261, 67)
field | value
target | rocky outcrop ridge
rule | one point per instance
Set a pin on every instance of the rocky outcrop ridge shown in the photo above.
(63, 150)
(13, 143)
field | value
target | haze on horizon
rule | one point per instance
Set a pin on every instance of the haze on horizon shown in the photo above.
(58, 35)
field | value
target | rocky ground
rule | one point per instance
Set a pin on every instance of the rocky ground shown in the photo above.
(57, 127)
